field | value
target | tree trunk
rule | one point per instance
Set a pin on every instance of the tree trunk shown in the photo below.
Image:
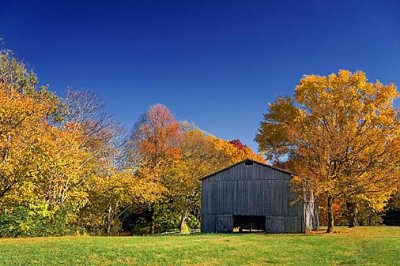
(108, 222)
(330, 215)
(152, 222)
(351, 213)
(183, 219)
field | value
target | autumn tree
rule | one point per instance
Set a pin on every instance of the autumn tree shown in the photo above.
(111, 195)
(106, 184)
(23, 121)
(199, 157)
(30, 143)
(340, 135)
(25, 112)
(14, 73)
(82, 110)
(244, 152)
(234, 151)
(153, 147)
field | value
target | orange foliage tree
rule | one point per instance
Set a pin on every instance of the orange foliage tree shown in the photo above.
(153, 148)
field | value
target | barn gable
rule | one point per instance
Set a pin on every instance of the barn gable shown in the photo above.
(250, 190)
(248, 169)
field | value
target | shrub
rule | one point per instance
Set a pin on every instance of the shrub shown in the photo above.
(35, 220)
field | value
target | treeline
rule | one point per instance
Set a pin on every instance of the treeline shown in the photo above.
(66, 167)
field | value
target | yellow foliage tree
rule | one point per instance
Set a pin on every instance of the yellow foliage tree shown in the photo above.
(110, 191)
(340, 135)
(23, 123)
(235, 151)
(66, 167)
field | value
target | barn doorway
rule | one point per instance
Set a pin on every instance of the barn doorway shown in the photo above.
(248, 224)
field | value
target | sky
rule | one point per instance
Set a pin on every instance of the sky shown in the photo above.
(215, 63)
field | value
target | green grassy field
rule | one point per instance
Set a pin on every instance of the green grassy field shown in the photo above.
(361, 245)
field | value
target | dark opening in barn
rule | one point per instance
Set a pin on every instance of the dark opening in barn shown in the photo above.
(247, 223)
(254, 196)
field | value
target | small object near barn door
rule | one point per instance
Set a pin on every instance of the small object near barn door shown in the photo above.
(224, 224)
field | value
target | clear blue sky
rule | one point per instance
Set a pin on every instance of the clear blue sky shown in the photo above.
(216, 63)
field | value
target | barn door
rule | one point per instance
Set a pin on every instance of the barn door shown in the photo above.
(275, 224)
(224, 224)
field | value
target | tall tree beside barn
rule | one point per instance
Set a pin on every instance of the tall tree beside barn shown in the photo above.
(153, 148)
(340, 135)
(198, 158)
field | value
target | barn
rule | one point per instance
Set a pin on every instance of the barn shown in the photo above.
(250, 196)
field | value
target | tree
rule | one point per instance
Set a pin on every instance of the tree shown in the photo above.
(14, 74)
(25, 112)
(199, 157)
(110, 195)
(23, 122)
(154, 139)
(243, 152)
(340, 135)
(101, 136)
(66, 168)
(234, 151)
(153, 148)
(102, 181)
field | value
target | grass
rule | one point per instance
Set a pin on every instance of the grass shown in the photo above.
(360, 245)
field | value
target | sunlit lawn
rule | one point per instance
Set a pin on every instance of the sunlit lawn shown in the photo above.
(361, 245)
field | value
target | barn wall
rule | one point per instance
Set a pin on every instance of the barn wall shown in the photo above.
(250, 190)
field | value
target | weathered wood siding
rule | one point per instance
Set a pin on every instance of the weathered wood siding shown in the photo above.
(255, 190)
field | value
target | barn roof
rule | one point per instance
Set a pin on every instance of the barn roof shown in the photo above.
(246, 160)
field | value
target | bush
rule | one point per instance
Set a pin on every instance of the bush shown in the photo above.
(34, 220)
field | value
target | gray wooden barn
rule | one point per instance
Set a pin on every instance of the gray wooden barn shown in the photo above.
(252, 196)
